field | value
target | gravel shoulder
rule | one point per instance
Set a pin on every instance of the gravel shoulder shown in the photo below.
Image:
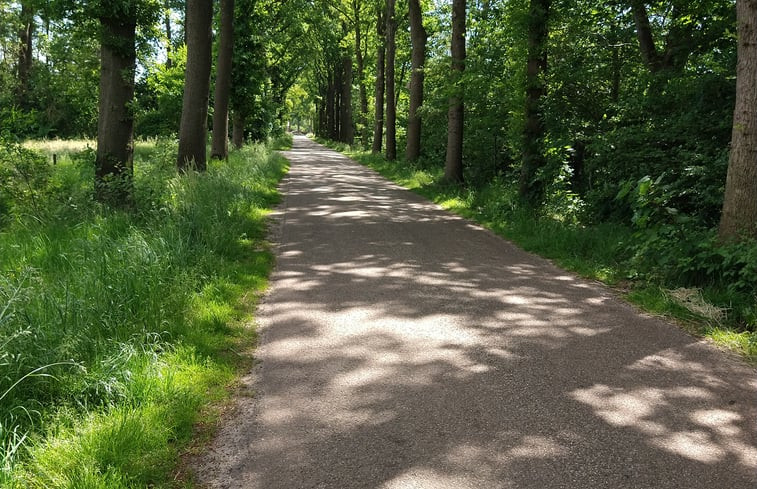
(404, 347)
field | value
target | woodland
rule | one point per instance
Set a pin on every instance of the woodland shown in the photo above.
(137, 164)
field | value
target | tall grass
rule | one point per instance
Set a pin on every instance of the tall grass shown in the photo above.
(116, 327)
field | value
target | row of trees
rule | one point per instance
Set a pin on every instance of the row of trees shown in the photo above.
(113, 69)
(578, 98)
(621, 109)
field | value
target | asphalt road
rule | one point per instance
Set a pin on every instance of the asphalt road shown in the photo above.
(404, 347)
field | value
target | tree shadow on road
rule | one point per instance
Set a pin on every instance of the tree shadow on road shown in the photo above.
(404, 347)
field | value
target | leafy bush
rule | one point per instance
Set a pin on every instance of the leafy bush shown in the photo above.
(23, 179)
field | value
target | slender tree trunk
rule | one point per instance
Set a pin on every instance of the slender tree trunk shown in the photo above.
(418, 39)
(25, 36)
(391, 110)
(237, 129)
(739, 216)
(360, 62)
(453, 167)
(346, 130)
(115, 124)
(193, 132)
(644, 34)
(337, 100)
(531, 188)
(169, 35)
(333, 104)
(678, 42)
(378, 125)
(220, 141)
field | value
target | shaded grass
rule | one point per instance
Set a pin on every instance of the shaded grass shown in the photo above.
(599, 252)
(135, 319)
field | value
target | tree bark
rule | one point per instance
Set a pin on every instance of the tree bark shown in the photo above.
(237, 129)
(739, 216)
(418, 37)
(677, 43)
(644, 34)
(220, 141)
(360, 62)
(391, 110)
(453, 167)
(378, 125)
(169, 34)
(193, 131)
(25, 36)
(346, 129)
(115, 124)
(531, 188)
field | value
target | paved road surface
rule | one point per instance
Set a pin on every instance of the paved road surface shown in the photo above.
(403, 347)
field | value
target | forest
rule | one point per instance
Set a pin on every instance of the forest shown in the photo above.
(138, 163)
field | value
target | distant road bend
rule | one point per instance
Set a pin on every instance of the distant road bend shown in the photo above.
(404, 347)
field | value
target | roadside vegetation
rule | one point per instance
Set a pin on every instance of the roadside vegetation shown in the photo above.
(121, 327)
(681, 273)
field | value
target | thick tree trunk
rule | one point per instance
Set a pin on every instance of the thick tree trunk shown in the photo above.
(739, 217)
(453, 167)
(237, 129)
(531, 188)
(193, 131)
(346, 129)
(115, 124)
(25, 35)
(378, 125)
(360, 62)
(418, 39)
(391, 110)
(220, 141)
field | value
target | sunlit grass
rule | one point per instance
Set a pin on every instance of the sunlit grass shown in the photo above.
(136, 319)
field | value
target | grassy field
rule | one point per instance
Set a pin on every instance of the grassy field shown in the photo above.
(598, 252)
(120, 331)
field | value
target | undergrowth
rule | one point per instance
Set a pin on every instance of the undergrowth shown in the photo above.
(643, 262)
(117, 329)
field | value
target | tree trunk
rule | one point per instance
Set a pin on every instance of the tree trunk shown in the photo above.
(25, 35)
(378, 125)
(739, 216)
(363, 117)
(115, 124)
(391, 111)
(677, 44)
(346, 130)
(418, 39)
(169, 34)
(644, 33)
(453, 167)
(531, 188)
(237, 129)
(220, 141)
(193, 131)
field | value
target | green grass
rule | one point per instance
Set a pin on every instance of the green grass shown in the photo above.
(597, 252)
(130, 323)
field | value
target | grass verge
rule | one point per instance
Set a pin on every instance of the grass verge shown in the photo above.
(119, 331)
(597, 252)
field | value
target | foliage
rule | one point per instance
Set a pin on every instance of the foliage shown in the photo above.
(159, 97)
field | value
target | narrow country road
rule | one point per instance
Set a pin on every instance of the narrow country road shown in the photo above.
(404, 347)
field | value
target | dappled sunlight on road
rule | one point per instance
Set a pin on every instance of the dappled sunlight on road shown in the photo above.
(404, 347)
